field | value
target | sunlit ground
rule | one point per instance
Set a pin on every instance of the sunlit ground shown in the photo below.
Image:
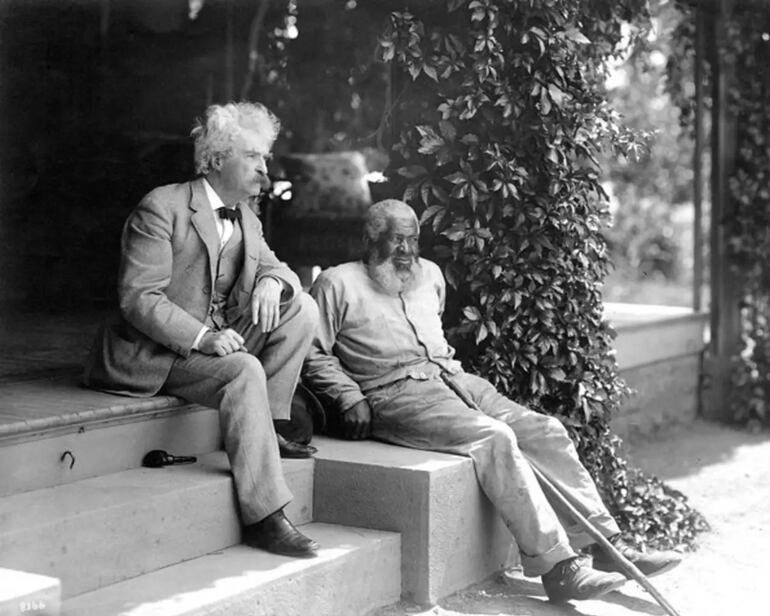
(725, 474)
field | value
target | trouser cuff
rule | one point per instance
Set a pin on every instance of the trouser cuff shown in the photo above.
(251, 513)
(602, 521)
(535, 566)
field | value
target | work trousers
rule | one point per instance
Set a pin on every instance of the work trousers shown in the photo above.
(427, 414)
(251, 390)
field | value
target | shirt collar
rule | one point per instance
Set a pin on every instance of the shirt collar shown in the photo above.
(214, 201)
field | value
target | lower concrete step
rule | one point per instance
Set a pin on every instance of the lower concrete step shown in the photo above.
(356, 572)
(102, 530)
(53, 431)
(451, 534)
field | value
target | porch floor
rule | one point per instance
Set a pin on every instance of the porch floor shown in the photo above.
(43, 354)
(40, 369)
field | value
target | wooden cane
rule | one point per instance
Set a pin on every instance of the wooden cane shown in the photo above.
(626, 565)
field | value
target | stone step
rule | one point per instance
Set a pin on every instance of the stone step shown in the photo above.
(105, 529)
(451, 535)
(356, 572)
(53, 432)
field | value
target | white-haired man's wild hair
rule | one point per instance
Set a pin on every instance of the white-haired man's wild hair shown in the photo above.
(215, 133)
(376, 221)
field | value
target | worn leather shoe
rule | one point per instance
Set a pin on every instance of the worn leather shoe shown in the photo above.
(278, 535)
(650, 563)
(290, 449)
(571, 579)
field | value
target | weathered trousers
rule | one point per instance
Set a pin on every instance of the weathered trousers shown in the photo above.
(427, 414)
(250, 390)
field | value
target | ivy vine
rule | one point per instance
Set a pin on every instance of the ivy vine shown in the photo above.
(499, 117)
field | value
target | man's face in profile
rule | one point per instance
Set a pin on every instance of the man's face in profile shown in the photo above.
(244, 173)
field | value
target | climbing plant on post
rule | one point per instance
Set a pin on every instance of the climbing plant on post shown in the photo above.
(746, 42)
(499, 115)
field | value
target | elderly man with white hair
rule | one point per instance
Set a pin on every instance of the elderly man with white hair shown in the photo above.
(381, 361)
(208, 313)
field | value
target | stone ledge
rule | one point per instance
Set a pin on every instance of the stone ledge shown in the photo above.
(451, 535)
(648, 334)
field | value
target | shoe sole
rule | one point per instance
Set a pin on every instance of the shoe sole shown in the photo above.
(664, 569)
(592, 595)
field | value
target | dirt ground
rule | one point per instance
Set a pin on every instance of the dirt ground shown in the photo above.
(725, 473)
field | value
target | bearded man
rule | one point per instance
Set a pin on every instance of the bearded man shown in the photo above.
(381, 360)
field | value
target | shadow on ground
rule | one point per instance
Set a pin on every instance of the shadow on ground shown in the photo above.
(513, 594)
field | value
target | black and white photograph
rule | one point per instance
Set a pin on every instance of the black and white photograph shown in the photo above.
(384, 308)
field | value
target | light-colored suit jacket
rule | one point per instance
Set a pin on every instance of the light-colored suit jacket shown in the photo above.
(169, 253)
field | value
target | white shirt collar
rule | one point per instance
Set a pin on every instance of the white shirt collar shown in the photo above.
(214, 201)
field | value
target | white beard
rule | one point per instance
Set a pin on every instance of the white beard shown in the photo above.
(393, 281)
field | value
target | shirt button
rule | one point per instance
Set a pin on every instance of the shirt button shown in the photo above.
(423, 376)
(206, 289)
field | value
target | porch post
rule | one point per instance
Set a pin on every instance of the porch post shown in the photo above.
(697, 199)
(725, 316)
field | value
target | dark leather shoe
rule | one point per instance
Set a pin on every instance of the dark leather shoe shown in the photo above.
(650, 563)
(290, 449)
(278, 535)
(571, 579)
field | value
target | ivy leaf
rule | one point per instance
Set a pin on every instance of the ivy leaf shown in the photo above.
(438, 220)
(557, 374)
(448, 130)
(430, 212)
(481, 333)
(430, 71)
(455, 232)
(430, 141)
(458, 177)
(472, 313)
(577, 36)
(545, 103)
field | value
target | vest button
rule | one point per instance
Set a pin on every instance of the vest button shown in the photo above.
(207, 289)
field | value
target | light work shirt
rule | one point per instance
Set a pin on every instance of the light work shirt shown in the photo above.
(368, 338)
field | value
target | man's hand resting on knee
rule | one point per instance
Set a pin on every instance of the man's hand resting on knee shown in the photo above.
(357, 421)
(221, 343)
(266, 304)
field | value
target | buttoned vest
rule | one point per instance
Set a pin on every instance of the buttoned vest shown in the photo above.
(229, 266)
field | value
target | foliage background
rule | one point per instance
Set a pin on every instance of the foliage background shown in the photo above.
(651, 237)
(746, 46)
(499, 120)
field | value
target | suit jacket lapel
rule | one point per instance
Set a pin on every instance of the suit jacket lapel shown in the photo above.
(202, 220)
(251, 242)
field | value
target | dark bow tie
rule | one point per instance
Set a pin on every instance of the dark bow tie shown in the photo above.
(231, 214)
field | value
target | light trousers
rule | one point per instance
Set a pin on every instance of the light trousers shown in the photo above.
(251, 390)
(427, 414)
